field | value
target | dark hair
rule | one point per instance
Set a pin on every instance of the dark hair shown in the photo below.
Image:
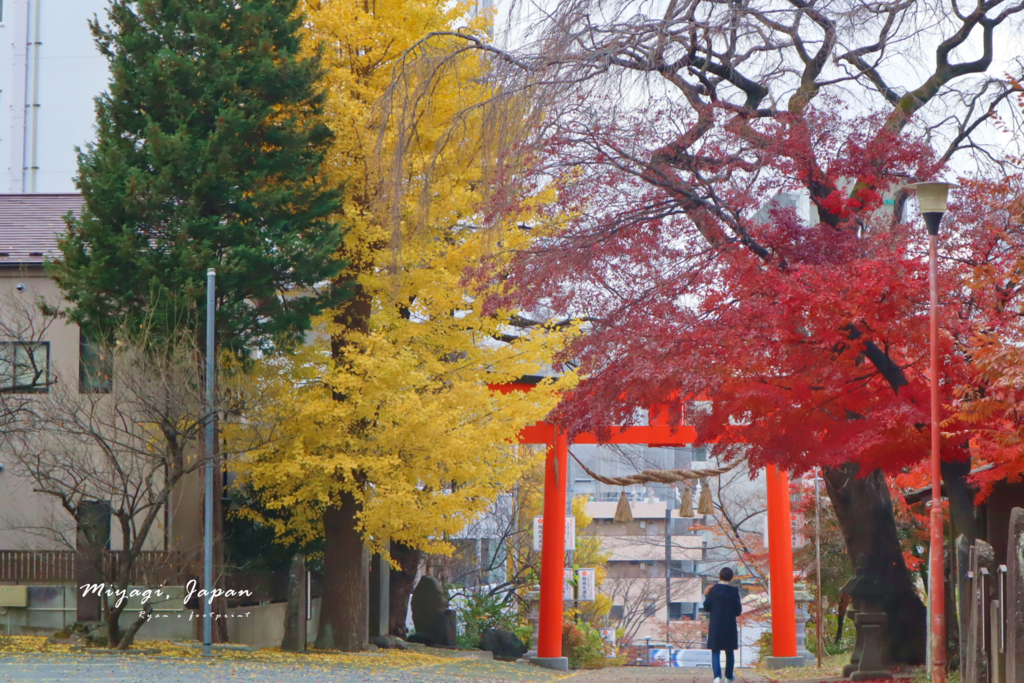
(725, 575)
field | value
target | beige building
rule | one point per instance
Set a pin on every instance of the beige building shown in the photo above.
(29, 226)
(652, 572)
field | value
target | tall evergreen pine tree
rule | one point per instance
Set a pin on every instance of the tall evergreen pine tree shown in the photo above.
(208, 153)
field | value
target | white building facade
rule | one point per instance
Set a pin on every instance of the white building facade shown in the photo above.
(51, 73)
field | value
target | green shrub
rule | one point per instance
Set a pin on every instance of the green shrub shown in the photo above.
(525, 633)
(482, 611)
(764, 646)
(583, 645)
(832, 648)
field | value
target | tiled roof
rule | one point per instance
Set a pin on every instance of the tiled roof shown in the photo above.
(30, 224)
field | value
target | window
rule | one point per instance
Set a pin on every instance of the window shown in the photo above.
(95, 367)
(700, 454)
(681, 568)
(617, 611)
(650, 609)
(24, 367)
(681, 610)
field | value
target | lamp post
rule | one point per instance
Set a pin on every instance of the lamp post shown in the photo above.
(211, 307)
(817, 553)
(931, 197)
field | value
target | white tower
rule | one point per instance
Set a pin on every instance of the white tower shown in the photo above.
(50, 71)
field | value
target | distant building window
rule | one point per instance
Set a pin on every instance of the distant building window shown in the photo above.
(650, 609)
(24, 367)
(696, 411)
(700, 454)
(682, 568)
(95, 367)
(617, 611)
(681, 610)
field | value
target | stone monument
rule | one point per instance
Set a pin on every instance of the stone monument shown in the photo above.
(433, 621)
(868, 592)
(295, 612)
(804, 600)
(980, 594)
(1015, 597)
(962, 593)
(533, 600)
(997, 662)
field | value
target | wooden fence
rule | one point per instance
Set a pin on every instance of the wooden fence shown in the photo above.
(151, 567)
(37, 566)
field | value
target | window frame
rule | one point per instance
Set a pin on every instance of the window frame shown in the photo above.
(34, 388)
(87, 383)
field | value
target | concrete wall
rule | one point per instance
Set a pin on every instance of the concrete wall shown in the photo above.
(50, 608)
(262, 626)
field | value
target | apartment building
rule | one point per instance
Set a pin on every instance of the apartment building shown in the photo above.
(29, 226)
(653, 570)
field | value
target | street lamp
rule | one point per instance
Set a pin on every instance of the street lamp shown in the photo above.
(931, 197)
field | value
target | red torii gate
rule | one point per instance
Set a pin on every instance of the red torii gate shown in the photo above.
(665, 429)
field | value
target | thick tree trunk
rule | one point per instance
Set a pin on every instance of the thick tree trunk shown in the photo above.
(963, 515)
(403, 580)
(112, 615)
(345, 589)
(865, 514)
(965, 519)
(129, 636)
(952, 622)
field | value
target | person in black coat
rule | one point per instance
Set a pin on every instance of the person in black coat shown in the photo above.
(722, 602)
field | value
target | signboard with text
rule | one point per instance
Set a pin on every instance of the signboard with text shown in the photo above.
(568, 590)
(538, 533)
(587, 583)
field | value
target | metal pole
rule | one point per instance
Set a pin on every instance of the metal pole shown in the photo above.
(817, 552)
(211, 277)
(668, 578)
(936, 593)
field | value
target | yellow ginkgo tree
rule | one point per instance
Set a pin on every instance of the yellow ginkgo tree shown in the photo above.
(391, 432)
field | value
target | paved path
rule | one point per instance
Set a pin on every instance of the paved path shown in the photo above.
(70, 668)
(119, 669)
(640, 674)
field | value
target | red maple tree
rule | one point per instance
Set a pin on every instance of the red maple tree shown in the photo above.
(806, 329)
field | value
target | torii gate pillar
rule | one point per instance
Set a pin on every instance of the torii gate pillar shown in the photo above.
(556, 469)
(780, 560)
